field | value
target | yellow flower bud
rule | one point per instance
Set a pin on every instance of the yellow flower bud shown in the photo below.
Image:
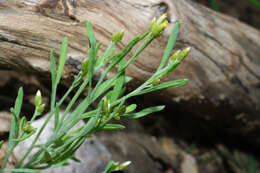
(118, 36)
(157, 26)
(28, 128)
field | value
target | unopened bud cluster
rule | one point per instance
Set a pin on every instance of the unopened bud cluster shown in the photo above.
(118, 36)
(174, 61)
(158, 25)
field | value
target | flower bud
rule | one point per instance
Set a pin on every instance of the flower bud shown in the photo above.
(124, 165)
(174, 56)
(84, 67)
(157, 26)
(38, 98)
(184, 53)
(28, 128)
(162, 18)
(106, 106)
(40, 109)
(118, 36)
(156, 82)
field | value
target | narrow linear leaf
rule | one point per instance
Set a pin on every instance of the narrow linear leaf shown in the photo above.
(91, 35)
(24, 137)
(56, 118)
(109, 166)
(144, 112)
(92, 52)
(119, 82)
(61, 163)
(97, 47)
(75, 159)
(113, 127)
(14, 126)
(23, 170)
(18, 103)
(165, 85)
(53, 67)
(170, 44)
(22, 124)
(88, 114)
(62, 59)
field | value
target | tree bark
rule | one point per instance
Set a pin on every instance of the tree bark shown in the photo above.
(223, 67)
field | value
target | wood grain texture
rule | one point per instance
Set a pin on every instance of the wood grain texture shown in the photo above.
(223, 66)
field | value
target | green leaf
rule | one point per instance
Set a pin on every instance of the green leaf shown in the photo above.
(97, 48)
(59, 164)
(22, 124)
(113, 127)
(53, 68)
(14, 126)
(130, 108)
(144, 112)
(92, 53)
(103, 87)
(119, 82)
(22, 170)
(24, 137)
(56, 118)
(62, 60)
(18, 103)
(118, 57)
(109, 167)
(170, 45)
(165, 85)
(91, 35)
(75, 159)
(88, 114)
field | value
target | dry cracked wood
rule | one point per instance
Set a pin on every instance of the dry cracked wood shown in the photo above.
(223, 66)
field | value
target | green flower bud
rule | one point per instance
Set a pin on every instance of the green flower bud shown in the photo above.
(106, 106)
(120, 110)
(124, 165)
(84, 67)
(174, 57)
(118, 36)
(156, 81)
(28, 128)
(152, 25)
(184, 53)
(40, 109)
(38, 98)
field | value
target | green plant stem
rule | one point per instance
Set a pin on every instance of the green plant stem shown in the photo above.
(34, 115)
(53, 98)
(35, 140)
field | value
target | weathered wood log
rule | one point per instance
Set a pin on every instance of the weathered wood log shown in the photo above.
(223, 66)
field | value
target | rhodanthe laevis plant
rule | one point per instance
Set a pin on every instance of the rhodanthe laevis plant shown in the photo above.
(64, 142)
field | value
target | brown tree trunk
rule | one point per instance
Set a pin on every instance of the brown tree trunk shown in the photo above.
(223, 67)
